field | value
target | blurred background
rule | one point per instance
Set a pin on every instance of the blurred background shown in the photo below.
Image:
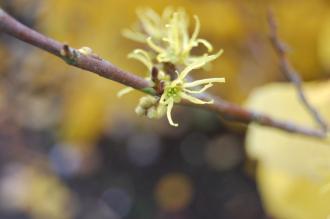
(70, 149)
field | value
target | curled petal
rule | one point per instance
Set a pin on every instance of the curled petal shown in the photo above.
(154, 46)
(168, 113)
(206, 43)
(142, 56)
(124, 91)
(205, 58)
(195, 33)
(142, 52)
(152, 15)
(210, 58)
(207, 86)
(150, 21)
(198, 64)
(175, 33)
(204, 81)
(195, 100)
(134, 35)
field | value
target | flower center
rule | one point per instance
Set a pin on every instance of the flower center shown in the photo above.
(174, 92)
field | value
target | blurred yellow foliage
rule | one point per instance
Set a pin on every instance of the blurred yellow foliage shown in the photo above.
(324, 43)
(37, 192)
(292, 169)
(85, 111)
(286, 196)
(300, 24)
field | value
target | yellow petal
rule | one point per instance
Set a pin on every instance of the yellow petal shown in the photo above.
(206, 43)
(141, 56)
(124, 91)
(207, 86)
(204, 81)
(196, 31)
(195, 100)
(168, 113)
(154, 46)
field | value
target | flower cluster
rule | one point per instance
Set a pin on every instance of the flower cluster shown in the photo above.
(169, 60)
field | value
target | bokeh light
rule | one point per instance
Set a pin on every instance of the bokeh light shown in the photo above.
(65, 159)
(118, 200)
(143, 149)
(174, 192)
(224, 152)
(193, 147)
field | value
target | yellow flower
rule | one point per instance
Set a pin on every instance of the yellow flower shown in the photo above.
(180, 88)
(150, 24)
(168, 35)
(177, 43)
(170, 44)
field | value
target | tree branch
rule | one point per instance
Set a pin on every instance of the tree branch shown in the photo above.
(237, 113)
(90, 63)
(105, 69)
(291, 74)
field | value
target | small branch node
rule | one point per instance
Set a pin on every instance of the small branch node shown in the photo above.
(158, 84)
(69, 55)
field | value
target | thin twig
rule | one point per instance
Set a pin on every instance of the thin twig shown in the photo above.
(105, 69)
(291, 74)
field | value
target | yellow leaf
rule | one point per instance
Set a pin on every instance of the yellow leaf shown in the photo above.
(288, 197)
(292, 169)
